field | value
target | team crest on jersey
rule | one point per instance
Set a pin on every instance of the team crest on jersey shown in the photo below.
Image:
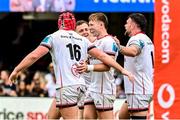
(74, 70)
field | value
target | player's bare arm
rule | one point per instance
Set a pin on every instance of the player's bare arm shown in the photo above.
(106, 59)
(117, 41)
(84, 67)
(28, 61)
(131, 51)
(97, 67)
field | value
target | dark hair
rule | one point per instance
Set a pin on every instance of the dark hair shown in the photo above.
(6, 71)
(140, 20)
(80, 22)
(100, 17)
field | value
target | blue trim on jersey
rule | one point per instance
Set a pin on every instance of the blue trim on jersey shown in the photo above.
(141, 43)
(46, 39)
(114, 47)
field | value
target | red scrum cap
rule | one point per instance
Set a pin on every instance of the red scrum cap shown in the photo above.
(66, 21)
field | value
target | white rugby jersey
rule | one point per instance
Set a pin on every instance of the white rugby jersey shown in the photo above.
(141, 66)
(103, 82)
(87, 75)
(67, 49)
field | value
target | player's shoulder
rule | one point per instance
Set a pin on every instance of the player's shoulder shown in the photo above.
(140, 35)
(56, 33)
(142, 39)
(79, 36)
(108, 39)
(62, 32)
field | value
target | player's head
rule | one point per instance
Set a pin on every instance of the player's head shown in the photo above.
(66, 21)
(140, 20)
(82, 28)
(97, 22)
(136, 20)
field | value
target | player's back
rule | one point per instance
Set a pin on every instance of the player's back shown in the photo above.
(67, 49)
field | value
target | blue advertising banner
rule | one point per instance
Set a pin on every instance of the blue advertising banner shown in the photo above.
(4, 5)
(114, 6)
(77, 5)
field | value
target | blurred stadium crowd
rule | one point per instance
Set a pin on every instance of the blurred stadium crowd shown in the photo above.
(29, 84)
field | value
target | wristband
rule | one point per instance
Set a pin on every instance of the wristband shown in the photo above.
(90, 67)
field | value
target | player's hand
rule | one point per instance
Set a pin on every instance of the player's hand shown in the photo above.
(81, 67)
(128, 74)
(12, 77)
(117, 41)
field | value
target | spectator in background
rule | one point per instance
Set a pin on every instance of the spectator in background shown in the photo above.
(58, 6)
(41, 5)
(25, 77)
(1, 87)
(21, 89)
(37, 85)
(63, 5)
(6, 89)
(53, 5)
(119, 81)
(51, 81)
(70, 5)
(1, 91)
(21, 5)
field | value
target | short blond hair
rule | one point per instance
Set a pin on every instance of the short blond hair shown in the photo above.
(100, 17)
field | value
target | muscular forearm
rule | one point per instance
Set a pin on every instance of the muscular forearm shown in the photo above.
(26, 62)
(106, 59)
(128, 51)
(31, 58)
(101, 68)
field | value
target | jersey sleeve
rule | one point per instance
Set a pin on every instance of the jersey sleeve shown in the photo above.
(47, 42)
(110, 47)
(138, 42)
(90, 45)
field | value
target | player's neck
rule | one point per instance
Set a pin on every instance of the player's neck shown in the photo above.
(135, 32)
(102, 34)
